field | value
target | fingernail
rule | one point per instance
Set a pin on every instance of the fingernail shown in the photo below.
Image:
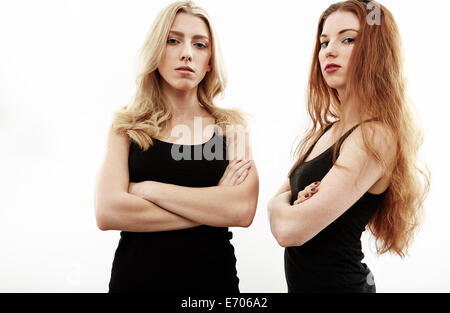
(313, 189)
(307, 195)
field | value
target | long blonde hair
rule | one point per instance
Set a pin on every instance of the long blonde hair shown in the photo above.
(148, 113)
(376, 80)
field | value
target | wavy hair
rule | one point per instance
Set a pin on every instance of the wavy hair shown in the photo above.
(376, 80)
(148, 113)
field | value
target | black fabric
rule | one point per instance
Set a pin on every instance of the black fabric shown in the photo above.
(331, 260)
(195, 260)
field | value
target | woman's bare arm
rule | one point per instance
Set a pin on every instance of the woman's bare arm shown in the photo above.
(215, 206)
(340, 189)
(116, 208)
(284, 188)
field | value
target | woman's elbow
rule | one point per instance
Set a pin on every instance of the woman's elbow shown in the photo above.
(280, 236)
(102, 226)
(102, 222)
(103, 217)
(100, 216)
(107, 213)
(286, 241)
(245, 218)
(285, 238)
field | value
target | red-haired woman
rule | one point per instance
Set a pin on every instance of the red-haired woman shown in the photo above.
(357, 165)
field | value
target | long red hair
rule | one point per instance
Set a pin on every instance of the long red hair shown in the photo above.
(375, 78)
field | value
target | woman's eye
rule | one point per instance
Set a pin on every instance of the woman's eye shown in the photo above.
(172, 41)
(200, 45)
(324, 44)
(349, 40)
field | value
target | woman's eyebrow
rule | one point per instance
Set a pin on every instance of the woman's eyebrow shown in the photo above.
(181, 34)
(342, 31)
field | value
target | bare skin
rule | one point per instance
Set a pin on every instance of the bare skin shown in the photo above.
(360, 173)
(151, 206)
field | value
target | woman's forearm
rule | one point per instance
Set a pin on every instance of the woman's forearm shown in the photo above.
(215, 206)
(128, 212)
(281, 218)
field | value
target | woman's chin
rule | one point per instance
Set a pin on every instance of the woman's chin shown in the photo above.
(183, 86)
(335, 84)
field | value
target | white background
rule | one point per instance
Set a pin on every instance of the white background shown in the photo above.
(65, 66)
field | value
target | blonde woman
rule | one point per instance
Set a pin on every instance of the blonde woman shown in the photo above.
(357, 165)
(172, 180)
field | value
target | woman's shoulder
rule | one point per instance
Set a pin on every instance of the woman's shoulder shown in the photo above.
(379, 134)
(373, 136)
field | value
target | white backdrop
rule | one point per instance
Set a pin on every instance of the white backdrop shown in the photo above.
(65, 66)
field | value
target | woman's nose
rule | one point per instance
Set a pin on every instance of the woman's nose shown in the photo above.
(331, 50)
(186, 54)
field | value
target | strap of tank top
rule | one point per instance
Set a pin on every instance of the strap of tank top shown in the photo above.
(341, 140)
(312, 146)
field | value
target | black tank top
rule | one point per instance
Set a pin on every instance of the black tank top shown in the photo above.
(198, 259)
(331, 260)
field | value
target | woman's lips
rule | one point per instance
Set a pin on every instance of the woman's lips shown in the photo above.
(184, 71)
(332, 68)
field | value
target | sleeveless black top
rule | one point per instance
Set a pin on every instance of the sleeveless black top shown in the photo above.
(331, 260)
(198, 259)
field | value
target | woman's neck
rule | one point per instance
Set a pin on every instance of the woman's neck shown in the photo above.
(184, 104)
(349, 115)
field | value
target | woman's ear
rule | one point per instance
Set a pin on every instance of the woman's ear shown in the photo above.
(209, 68)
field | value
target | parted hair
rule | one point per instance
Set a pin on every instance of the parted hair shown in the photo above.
(148, 113)
(375, 78)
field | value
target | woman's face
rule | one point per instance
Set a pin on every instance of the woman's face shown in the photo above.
(186, 57)
(336, 45)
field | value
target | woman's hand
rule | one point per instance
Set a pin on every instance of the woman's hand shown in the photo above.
(307, 193)
(235, 173)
